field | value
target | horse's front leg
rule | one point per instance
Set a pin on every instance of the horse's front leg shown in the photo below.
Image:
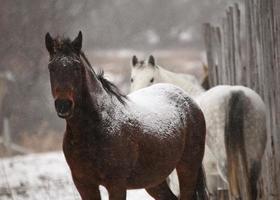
(117, 192)
(87, 191)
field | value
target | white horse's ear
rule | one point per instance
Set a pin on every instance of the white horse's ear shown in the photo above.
(134, 61)
(152, 61)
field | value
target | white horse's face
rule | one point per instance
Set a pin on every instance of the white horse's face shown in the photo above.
(143, 74)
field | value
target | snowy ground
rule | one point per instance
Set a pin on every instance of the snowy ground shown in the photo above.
(44, 177)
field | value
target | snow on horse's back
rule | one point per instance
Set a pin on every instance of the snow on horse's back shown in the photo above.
(146, 72)
(151, 104)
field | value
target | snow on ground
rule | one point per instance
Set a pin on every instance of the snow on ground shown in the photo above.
(44, 177)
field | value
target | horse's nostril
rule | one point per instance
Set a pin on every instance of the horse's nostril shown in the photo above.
(63, 105)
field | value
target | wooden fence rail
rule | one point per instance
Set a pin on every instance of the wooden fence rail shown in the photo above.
(246, 51)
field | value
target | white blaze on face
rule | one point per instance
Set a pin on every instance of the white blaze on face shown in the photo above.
(142, 76)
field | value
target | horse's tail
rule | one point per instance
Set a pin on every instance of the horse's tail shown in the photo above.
(238, 176)
(201, 191)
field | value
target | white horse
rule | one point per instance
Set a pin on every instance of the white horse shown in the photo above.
(235, 120)
(146, 73)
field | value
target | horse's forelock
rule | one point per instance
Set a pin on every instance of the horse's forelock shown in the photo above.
(64, 52)
(63, 45)
(144, 64)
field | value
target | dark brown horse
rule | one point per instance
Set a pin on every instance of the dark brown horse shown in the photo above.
(124, 142)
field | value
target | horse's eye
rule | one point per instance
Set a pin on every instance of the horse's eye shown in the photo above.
(131, 80)
(152, 80)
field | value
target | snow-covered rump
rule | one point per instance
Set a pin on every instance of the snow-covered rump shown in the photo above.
(44, 177)
(150, 108)
(214, 104)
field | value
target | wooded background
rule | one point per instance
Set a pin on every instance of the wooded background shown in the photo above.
(245, 50)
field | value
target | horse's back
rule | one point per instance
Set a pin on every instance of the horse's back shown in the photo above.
(161, 105)
(159, 97)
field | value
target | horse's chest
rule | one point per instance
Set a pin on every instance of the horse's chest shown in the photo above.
(95, 162)
(82, 161)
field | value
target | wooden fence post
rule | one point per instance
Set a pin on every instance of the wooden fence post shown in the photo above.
(254, 63)
(7, 135)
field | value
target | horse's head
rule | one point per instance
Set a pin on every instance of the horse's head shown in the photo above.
(143, 73)
(65, 69)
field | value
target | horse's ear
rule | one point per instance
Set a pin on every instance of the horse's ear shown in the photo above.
(152, 61)
(77, 42)
(134, 61)
(49, 43)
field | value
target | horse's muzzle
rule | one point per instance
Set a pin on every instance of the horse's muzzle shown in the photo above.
(64, 108)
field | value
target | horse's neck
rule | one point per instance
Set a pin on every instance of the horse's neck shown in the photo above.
(93, 101)
(167, 75)
(191, 87)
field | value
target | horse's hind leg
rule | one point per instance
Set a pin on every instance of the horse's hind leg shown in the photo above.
(161, 192)
(187, 175)
(189, 169)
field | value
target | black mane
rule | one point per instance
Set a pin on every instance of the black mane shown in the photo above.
(110, 87)
(63, 46)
